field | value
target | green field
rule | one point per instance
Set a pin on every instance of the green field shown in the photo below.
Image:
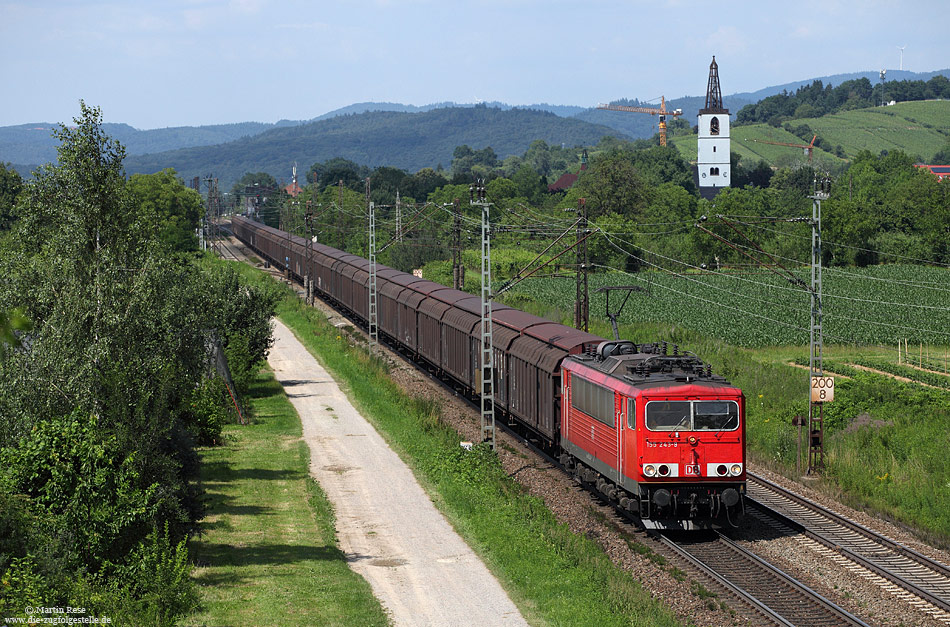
(747, 143)
(873, 305)
(918, 128)
(267, 553)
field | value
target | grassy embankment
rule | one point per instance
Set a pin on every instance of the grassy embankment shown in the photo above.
(268, 552)
(553, 575)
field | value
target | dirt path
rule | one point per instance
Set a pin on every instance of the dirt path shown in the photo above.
(418, 567)
(896, 377)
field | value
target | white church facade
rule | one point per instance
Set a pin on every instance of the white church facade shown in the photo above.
(712, 164)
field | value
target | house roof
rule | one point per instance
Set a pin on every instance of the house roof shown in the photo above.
(941, 171)
(566, 181)
(293, 189)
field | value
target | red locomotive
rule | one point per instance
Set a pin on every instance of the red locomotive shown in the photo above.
(654, 432)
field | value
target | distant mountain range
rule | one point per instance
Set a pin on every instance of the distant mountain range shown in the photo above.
(380, 133)
(410, 141)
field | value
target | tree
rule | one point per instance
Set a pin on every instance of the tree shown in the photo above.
(385, 182)
(332, 171)
(424, 182)
(173, 209)
(468, 164)
(261, 180)
(942, 157)
(97, 440)
(10, 185)
(528, 184)
(759, 175)
(611, 184)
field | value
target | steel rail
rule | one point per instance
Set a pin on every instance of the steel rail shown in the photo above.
(880, 563)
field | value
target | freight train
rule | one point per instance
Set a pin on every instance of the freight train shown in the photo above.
(648, 426)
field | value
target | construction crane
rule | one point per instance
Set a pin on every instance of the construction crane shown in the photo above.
(662, 112)
(808, 148)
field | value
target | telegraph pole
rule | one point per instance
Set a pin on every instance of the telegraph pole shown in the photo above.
(816, 337)
(582, 303)
(478, 198)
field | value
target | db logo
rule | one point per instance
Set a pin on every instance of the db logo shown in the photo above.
(692, 469)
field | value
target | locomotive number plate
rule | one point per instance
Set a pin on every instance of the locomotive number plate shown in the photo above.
(822, 389)
(692, 469)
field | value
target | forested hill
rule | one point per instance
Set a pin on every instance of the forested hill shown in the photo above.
(410, 141)
(34, 143)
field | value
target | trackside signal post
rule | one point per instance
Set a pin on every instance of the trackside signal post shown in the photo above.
(821, 387)
(478, 198)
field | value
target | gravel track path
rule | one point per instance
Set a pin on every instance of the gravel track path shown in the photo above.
(392, 534)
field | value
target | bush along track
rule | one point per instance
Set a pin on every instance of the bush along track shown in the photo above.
(552, 574)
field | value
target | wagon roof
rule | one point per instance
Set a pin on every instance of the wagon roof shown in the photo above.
(473, 304)
(516, 319)
(537, 352)
(426, 287)
(562, 336)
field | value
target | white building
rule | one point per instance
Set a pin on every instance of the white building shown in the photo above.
(713, 162)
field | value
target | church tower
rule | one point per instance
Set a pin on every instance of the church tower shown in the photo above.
(713, 162)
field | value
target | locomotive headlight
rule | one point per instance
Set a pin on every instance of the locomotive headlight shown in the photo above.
(649, 470)
(721, 470)
(736, 470)
(664, 470)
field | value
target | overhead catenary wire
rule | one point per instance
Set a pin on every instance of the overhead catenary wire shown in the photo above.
(826, 242)
(746, 297)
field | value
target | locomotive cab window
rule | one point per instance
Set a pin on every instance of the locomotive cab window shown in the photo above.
(667, 415)
(692, 415)
(715, 415)
(631, 413)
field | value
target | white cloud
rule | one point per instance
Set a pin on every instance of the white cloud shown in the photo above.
(727, 40)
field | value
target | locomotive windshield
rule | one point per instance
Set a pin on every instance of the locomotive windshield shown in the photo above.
(692, 415)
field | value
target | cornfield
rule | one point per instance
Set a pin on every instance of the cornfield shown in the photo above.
(875, 305)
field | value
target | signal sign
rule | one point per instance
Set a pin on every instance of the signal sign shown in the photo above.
(822, 389)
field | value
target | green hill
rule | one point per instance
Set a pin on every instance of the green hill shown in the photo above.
(410, 141)
(918, 128)
(34, 143)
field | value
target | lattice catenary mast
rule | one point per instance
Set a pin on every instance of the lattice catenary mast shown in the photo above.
(478, 198)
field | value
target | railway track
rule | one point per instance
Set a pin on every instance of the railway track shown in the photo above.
(226, 249)
(912, 576)
(773, 595)
(765, 592)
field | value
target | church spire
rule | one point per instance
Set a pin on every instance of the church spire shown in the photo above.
(713, 93)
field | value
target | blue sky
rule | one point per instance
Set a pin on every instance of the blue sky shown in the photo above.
(188, 62)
